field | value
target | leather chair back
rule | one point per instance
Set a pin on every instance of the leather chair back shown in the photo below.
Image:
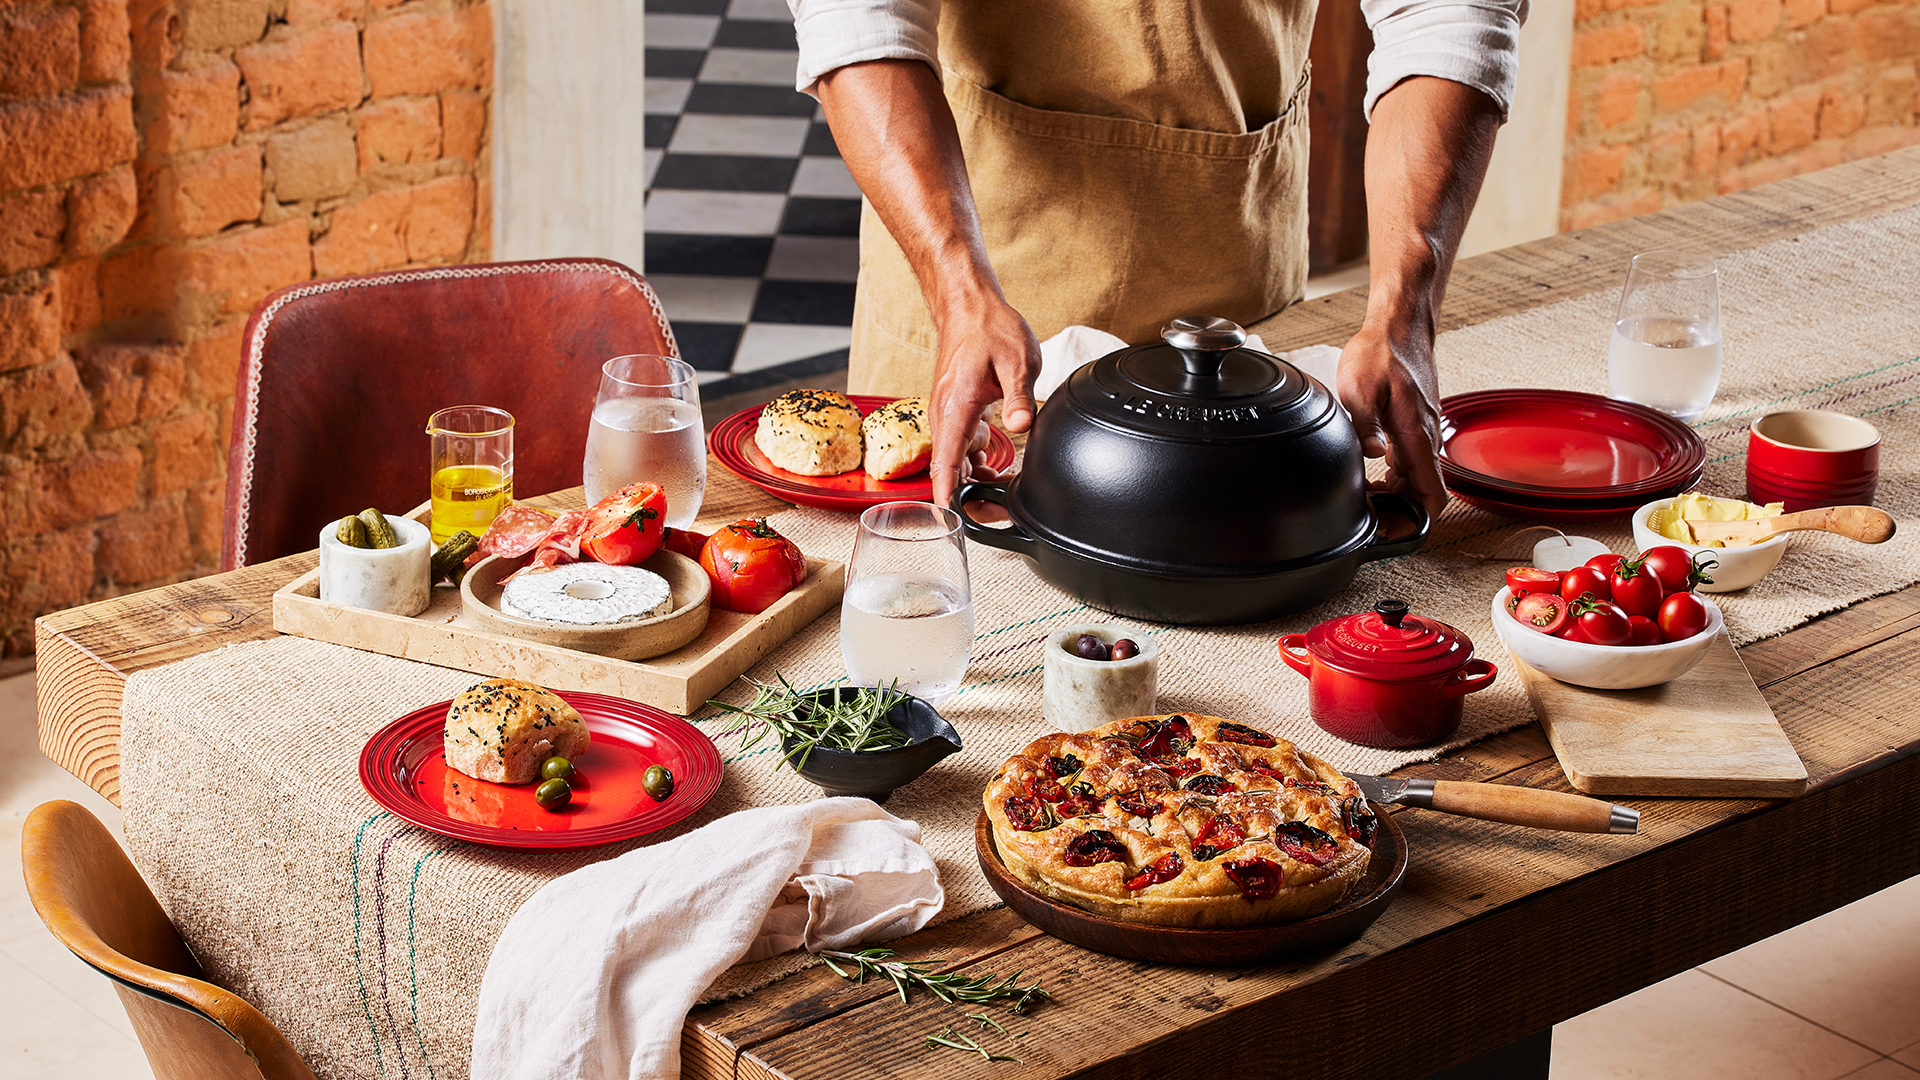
(94, 901)
(339, 377)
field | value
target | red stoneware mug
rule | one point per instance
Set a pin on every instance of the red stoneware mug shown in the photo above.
(1809, 458)
(1386, 678)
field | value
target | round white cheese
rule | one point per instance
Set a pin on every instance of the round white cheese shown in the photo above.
(588, 594)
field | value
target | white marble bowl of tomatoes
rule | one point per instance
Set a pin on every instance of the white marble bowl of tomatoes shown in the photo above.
(1613, 624)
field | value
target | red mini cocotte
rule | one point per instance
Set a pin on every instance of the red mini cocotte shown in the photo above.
(1385, 678)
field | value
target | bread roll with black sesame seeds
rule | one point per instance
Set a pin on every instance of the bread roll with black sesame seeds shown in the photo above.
(502, 729)
(899, 439)
(810, 432)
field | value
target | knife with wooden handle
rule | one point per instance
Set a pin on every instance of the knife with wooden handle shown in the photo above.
(1502, 802)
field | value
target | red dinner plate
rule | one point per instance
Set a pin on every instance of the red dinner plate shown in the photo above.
(1565, 444)
(405, 770)
(732, 442)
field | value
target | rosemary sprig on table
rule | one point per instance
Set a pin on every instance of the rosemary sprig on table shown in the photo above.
(971, 990)
(823, 718)
(960, 1041)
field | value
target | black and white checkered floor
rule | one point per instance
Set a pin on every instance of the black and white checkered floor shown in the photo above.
(752, 219)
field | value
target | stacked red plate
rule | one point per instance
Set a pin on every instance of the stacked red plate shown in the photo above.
(1559, 455)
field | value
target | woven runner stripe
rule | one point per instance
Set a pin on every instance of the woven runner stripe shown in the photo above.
(364, 938)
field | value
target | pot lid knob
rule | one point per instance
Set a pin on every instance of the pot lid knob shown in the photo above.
(1203, 341)
(1392, 611)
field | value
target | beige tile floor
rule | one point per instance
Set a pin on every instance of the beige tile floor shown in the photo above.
(1836, 998)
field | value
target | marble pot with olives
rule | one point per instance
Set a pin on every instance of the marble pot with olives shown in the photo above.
(1094, 673)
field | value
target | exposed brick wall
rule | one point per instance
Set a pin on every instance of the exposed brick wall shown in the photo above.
(164, 164)
(1678, 100)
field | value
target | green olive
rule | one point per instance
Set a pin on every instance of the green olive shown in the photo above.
(556, 768)
(553, 794)
(657, 782)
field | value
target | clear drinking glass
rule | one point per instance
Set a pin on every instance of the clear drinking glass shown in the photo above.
(908, 609)
(1665, 351)
(646, 426)
(472, 479)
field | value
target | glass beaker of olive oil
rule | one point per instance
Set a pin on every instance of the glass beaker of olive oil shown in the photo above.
(472, 468)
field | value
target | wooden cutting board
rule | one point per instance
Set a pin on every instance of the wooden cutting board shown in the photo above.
(1709, 732)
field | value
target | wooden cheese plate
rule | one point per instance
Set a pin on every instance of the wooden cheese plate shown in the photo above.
(1708, 733)
(680, 681)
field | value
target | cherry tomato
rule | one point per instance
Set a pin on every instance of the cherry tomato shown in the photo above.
(1670, 565)
(1634, 589)
(1602, 622)
(685, 542)
(751, 566)
(1643, 631)
(1513, 599)
(1543, 611)
(1606, 563)
(1528, 579)
(1571, 632)
(1582, 581)
(626, 527)
(1682, 615)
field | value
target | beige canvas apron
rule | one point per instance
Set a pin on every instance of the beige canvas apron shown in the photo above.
(1132, 160)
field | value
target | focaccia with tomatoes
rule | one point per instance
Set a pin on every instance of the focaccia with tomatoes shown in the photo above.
(1180, 820)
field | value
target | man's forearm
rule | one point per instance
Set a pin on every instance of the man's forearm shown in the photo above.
(1427, 152)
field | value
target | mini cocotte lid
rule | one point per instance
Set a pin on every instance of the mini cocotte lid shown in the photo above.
(1389, 645)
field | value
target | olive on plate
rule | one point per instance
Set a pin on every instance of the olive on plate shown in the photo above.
(657, 782)
(553, 794)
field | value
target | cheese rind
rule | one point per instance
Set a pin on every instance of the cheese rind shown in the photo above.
(588, 594)
(502, 729)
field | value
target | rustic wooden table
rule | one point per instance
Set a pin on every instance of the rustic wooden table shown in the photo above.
(1497, 934)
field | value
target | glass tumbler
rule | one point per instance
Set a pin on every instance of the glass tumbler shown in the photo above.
(472, 468)
(1665, 350)
(908, 610)
(646, 426)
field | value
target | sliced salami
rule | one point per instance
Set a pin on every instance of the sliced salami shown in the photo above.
(516, 531)
(559, 546)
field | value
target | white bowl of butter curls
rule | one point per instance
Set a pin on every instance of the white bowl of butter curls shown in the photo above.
(1664, 522)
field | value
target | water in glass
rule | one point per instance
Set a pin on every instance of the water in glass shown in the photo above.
(646, 427)
(1665, 349)
(907, 616)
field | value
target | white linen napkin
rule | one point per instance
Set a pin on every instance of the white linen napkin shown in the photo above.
(594, 975)
(1067, 351)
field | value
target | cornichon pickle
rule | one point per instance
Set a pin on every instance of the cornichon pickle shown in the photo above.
(453, 554)
(353, 532)
(380, 532)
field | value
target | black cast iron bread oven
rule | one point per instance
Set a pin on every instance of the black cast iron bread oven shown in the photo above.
(1194, 481)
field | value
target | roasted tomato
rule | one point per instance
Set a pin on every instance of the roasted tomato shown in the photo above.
(1095, 846)
(1166, 738)
(1041, 787)
(1218, 836)
(1166, 868)
(1138, 803)
(1080, 800)
(1209, 784)
(1304, 843)
(1064, 765)
(751, 566)
(1028, 814)
(1245, 736)
(1359, 820)
(627, 526)
(1257, 879)
(685, 542)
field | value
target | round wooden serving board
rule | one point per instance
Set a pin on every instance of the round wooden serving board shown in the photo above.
(686, 582)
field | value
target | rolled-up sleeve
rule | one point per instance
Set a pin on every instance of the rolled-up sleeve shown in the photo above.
(835, 33)
(1474, 42)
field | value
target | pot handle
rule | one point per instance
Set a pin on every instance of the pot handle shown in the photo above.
(1012, 538)
(1405, 545)
(1475, 674)
(1293, 649)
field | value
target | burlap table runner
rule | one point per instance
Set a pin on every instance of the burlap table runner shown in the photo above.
(364, 938)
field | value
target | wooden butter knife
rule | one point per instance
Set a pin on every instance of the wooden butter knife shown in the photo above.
(1502, 802)
(1866, 524)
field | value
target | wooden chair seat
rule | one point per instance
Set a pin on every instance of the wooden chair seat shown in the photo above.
(93, 900)
(339, 377)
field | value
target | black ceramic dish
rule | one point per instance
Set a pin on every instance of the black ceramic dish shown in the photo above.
(875, 774)
(1196, 482)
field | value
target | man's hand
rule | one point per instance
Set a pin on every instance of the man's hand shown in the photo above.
(897, 136)
(1396, 411)
(1427, 151)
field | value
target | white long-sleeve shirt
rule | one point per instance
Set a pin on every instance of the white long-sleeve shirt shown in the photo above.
(1474, 42)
